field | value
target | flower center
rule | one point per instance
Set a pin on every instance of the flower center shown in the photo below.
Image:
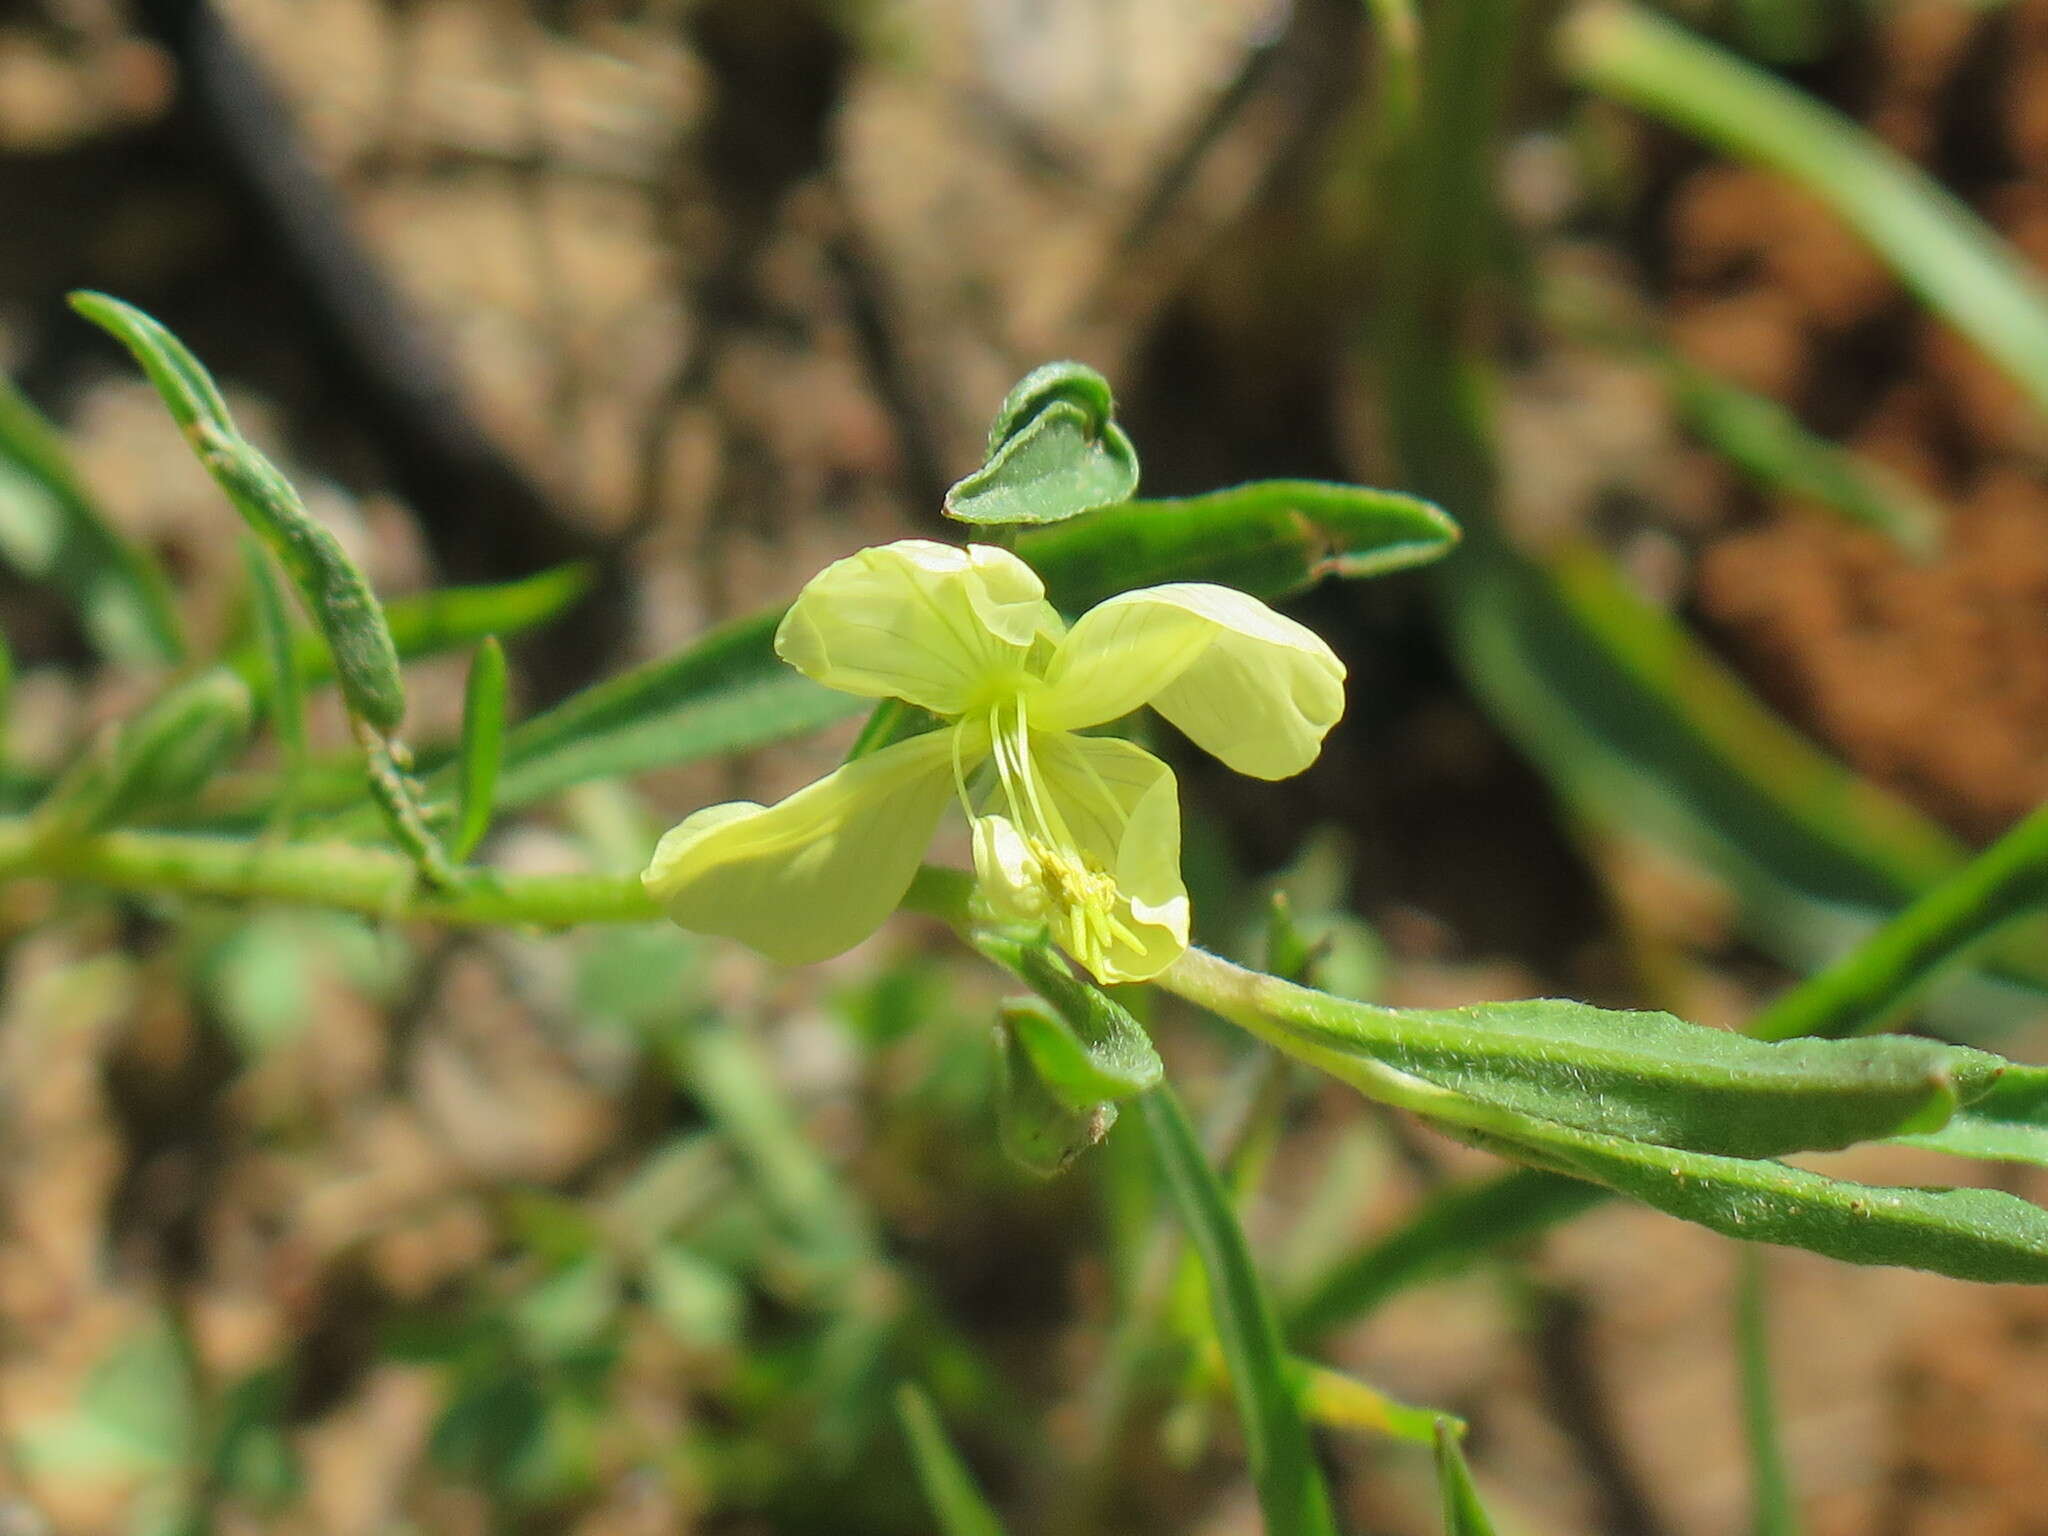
(1045, 872)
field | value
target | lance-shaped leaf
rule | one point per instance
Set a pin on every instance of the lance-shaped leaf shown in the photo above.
(1452, 1229)
(1290, 1486)
(51, 529)
(1054, 452)
(483, 742)
(1970, 1234)
(337, 597)
(1268, 538)
(284, 688)
(1644, 1076)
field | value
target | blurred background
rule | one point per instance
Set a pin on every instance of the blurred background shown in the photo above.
(320, 1226)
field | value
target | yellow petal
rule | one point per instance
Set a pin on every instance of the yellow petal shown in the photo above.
(1122, 807)
(1245, 683)
(916, 620)
(816, 873)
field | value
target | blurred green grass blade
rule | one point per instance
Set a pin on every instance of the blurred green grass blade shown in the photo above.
(1938, 247)
(283, 688)
(1270, 538)
(1768, 443)
(1771, 1495)
(449, 618)
(1283, 1466)
(1624, 714)
(2009, 1124)
(162, 755)
(724, 1071)
(727, 693)
(51, 529)
(1339, 1401)
(1639, 1076)
(483, 743)
(949, 1486)
(1873, 981)
(1969, 1234)
(1449, 1231)
(1464, 1515)
(445, 619)
(1632, 721)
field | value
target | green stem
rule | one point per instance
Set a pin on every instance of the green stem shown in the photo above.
(1771, 1494)
(341, 875)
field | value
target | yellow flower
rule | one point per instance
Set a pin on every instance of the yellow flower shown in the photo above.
(1081, 833)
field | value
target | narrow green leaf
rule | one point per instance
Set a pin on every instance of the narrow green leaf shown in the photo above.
(186, 387)
(1641, 1076)
(284, 689)
(1632, 722)
(1620, 710)
(887, 723)
(1041, 1129)
(1085, 1044)
(2009, 1124)
(1970, 1234)
(1938, 247)
(1452, 1229)
(483, 742)
(1464, 1515)
(1283, 1466)
(718, 1065)
(1771, 1493)
(52, 529)
(162, 756)
(949, 1486)
(6, 693)
(728, 692)
(1767, 442)
(1269, 538)
(444, 619)
(337, 597)
(1864, 988)
(1054, 452)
